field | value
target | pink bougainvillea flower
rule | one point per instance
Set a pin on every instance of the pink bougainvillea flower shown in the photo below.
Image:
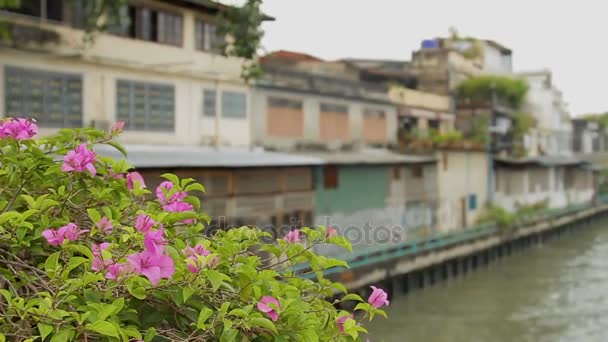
(69, 232)
(135, 181)
(117, 127)
(161, 193)
(53, 237)
(293, 236)
(378, 298)
(97, 249)
(267, 309)
(18, 129)
(98, 263)
(153, 266)
(105, 225)
(196, 250)
(113, 271)
(72, 232)
(154, 240)
(143, 223)
(331, 232)
(116, 270)
(195, 260)
(340, 321)
(193, 264)
(79, 160)
(178, 207)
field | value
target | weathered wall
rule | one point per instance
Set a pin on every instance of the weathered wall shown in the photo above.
(312, 120)
(462, 178)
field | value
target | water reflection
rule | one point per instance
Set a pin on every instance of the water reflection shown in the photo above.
(556, 292)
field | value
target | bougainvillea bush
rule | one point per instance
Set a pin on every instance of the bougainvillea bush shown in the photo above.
(88, 253)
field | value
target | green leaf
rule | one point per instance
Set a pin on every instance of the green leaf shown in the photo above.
(195, 187)
(173, 178)
(2, 338)
(44, 330)
(8, 216)
(352, 296)
(6, 294)
(118, 146)
(202, 317)
(363, 306)
(264, 323)
(94, 215)
(52, 262)
(229, 335)
(72, 264)
(63, 335)
(132, 331)
(81, 249)
(150, 334)
(187, 293)
(29, 200)
(138, 292)
(104, 328)
(216, 278)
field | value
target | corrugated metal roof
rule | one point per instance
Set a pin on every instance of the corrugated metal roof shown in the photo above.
(151, 156)
(542, 160)
(368, 156)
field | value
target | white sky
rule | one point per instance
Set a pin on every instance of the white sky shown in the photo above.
(568, 37)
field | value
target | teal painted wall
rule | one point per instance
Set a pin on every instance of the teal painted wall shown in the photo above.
(359, 187)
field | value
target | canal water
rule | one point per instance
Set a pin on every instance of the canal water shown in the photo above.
(557, 291)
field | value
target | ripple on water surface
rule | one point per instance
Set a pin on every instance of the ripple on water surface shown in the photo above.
(555, 292)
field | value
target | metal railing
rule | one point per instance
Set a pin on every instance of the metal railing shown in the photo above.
(382, 253)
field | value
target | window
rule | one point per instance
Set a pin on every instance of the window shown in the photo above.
(396, 173)
(53, 99)
(334, 122)
(209, 102)
(330, 177)
(417, 171)
(371, 112)
(284, 118)
(206, 37)
(145, 106)
(234, 104)
(169, 28)
(147, 24)
(279, 102)
(472, 201)
(334, 108)
(45, 9)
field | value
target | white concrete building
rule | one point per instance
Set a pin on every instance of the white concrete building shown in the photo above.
(160, 72)
(553, 132)
(562, 181)
(462, 181)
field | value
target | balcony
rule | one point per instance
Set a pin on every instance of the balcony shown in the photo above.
(322, 85)
(419, 99)
(41, 36)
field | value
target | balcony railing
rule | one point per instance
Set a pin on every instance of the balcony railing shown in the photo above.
(322, 85)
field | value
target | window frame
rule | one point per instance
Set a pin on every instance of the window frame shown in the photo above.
(26, 76)
(129, 121)
(331, 177)
(223, 103)
(215, 102)
(211, 42)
